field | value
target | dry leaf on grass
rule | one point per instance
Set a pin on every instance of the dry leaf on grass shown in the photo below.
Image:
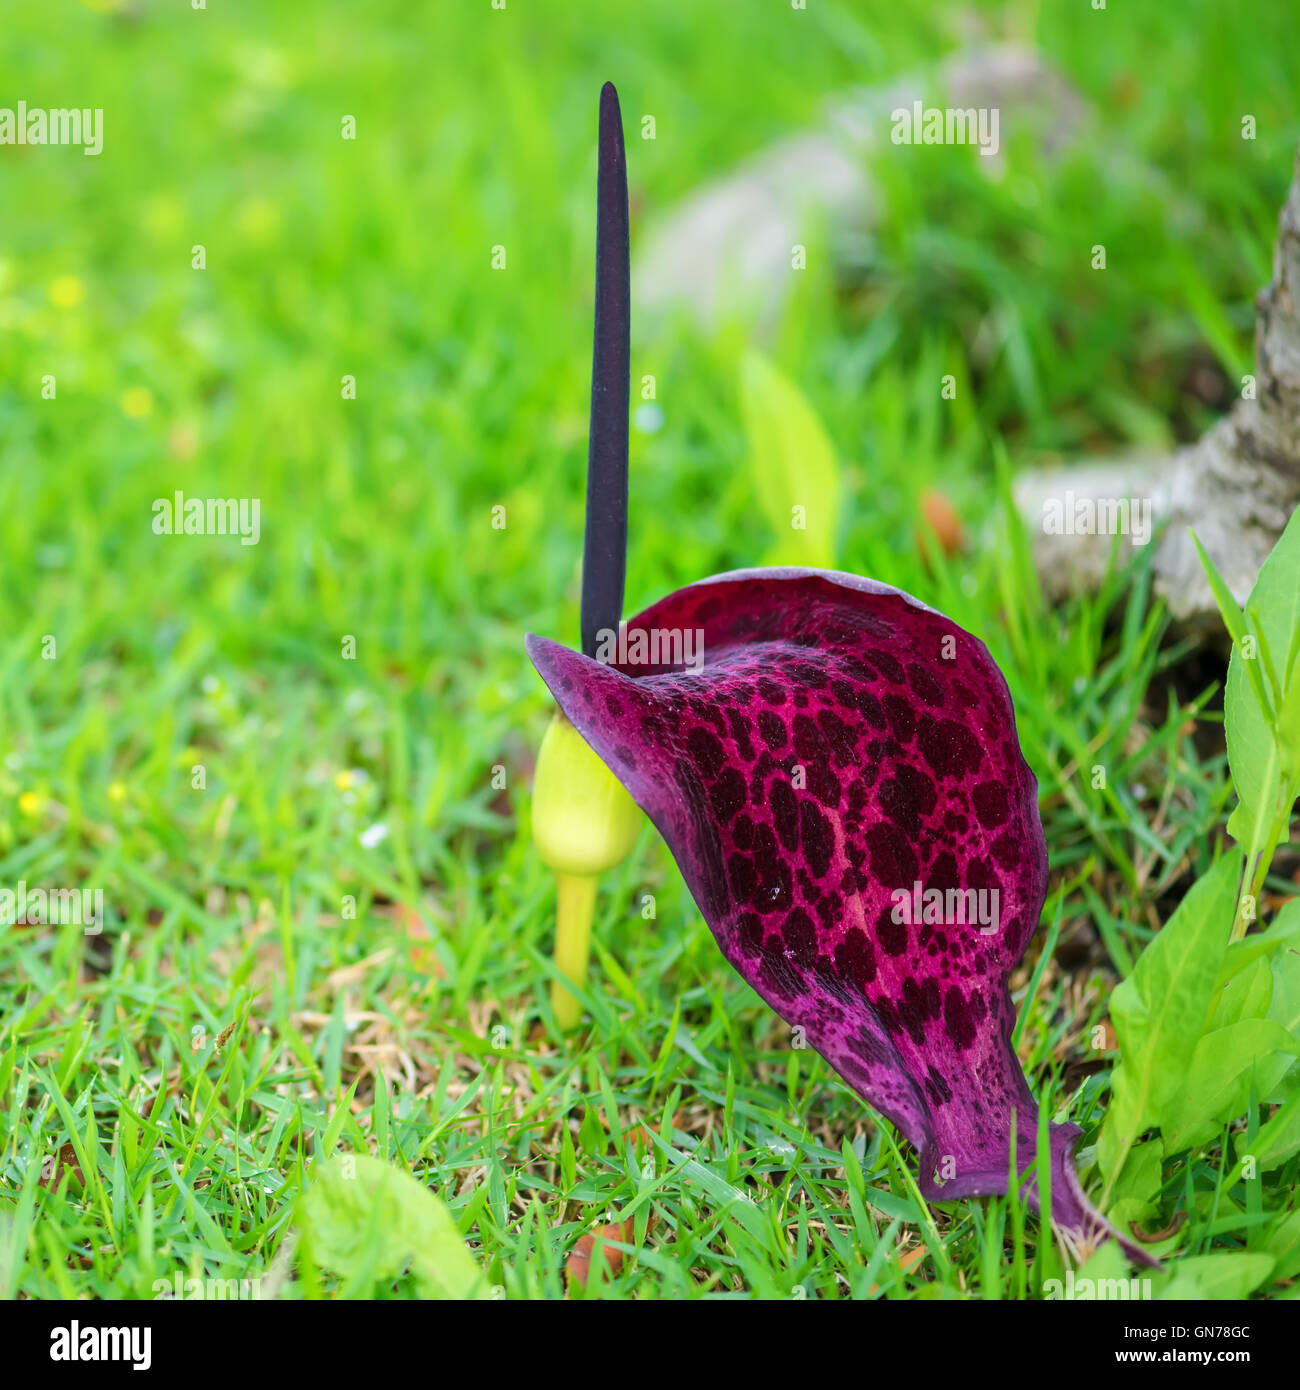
(54, 1167)
(939, 521)
(905, 1263)
(578, 1265)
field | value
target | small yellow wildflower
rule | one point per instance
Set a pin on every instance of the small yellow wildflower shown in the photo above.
(117, 791)
(344, 780)
(137, 402)
(30, 803)
(66, 292)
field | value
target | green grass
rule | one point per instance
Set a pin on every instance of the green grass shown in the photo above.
(419, 1029)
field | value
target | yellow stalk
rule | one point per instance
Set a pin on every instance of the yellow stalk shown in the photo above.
(584, 823)
(575, 906)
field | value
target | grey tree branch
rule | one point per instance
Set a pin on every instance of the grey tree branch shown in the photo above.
(1236, 487)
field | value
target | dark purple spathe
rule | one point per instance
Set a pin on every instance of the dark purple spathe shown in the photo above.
(841, 742)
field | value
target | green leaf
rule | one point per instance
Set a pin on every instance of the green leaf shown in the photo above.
(1137, 1185)
(794, 465)
(1284, 1003)
(1246, 995)
(1239, 629)
(369, 1222)
(1233, 618)
(1226, 1276)
(1265, 759)
(1160, 1011)
(1107, 1265)
(1253, 757)
(1275, 600)
(1288, 723)
(1283, 930)
(1216, 1085)
(1278, 1139)
(1284, 1010)
(1282, 1242)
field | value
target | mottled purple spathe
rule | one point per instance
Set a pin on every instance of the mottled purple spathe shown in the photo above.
(904, 730)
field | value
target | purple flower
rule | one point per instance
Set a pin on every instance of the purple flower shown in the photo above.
(836, 771)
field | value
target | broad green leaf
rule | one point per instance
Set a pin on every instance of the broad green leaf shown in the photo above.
(1229, 1276)
(1288, 723)
(369, 1222)
(1283, 930)
(1108, 1270)
(1275, 602)
(1254, 759)
(1284, 1004)
(1246, 995)
(1137, 1185)
(1282, 1242)
(1284, 1010)
(796, 471)
(1229, 609)
(1160, 1011)
(1263, 771)
(1278, 1139)
(1282, 1145)
(1226, 1065)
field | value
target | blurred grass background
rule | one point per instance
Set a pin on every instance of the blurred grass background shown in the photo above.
(372, 258)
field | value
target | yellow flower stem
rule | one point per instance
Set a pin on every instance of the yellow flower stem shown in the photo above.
(575, 904)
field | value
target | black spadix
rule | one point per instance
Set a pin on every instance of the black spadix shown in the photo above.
(604, 548)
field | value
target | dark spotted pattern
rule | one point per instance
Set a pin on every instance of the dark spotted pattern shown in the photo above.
(839, 743)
